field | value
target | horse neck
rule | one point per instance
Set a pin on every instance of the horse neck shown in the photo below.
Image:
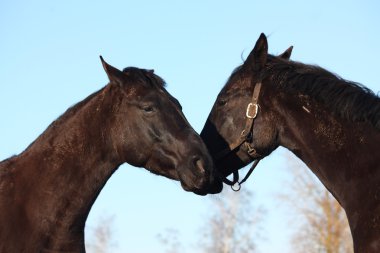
(342, 154)
(63, 171)
(339, 152)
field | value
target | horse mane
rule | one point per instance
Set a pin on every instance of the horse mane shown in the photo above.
(70, 112)
(143, 76)
(76, 107)
(346, 99)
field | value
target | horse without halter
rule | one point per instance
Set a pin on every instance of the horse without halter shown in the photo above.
(46, 192)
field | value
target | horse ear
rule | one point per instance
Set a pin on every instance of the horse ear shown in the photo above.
(258, 56)
(286, 55)
(114, 75)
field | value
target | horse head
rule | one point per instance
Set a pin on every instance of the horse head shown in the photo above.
(148, 129)
(241, 127)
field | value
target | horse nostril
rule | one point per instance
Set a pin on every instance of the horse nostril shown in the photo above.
(199, 164)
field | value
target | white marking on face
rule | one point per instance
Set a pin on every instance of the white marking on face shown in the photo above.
(229, 123)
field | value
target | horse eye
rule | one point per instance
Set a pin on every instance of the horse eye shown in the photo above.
(148, 109)
(222, 102)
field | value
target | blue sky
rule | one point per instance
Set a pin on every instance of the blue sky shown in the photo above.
(50, 61)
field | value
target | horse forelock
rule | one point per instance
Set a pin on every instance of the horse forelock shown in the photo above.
(145, 77)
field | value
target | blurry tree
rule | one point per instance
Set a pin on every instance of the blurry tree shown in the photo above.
(232, 224)
(170, 240)
(323, 225)
(101, 236)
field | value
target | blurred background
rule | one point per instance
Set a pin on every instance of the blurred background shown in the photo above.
(49, 52)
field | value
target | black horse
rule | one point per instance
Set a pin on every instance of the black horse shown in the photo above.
(46, 192)
(331, 124)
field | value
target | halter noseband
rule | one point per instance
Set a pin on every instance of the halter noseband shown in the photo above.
(245, 138)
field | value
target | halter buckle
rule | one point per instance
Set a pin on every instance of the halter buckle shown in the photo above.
(252, 110)
(250, 150)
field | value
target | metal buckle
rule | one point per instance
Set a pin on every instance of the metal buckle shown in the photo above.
(249, 114)
(250, 150)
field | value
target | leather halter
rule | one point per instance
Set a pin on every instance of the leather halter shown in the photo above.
(246, 139)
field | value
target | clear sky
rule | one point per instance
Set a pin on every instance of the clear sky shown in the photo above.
(49, 52)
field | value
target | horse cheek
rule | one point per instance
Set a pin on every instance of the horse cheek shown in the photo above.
(264, 137)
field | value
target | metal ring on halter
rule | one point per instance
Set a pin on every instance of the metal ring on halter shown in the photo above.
(236, 187)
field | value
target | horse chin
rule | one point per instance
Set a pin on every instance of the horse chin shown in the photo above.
(203, 192)
(200, 192)
(203, 187)
(232, 162)
(217, 187)
(187, 187)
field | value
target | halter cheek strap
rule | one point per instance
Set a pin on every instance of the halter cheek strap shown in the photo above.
(246, 139)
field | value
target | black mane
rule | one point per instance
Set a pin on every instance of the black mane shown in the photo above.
(142, 75)
(349, 100)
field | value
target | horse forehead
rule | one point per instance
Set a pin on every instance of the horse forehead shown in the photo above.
(143, 90)
(162, 96)
(237, 82)
(235, 89)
